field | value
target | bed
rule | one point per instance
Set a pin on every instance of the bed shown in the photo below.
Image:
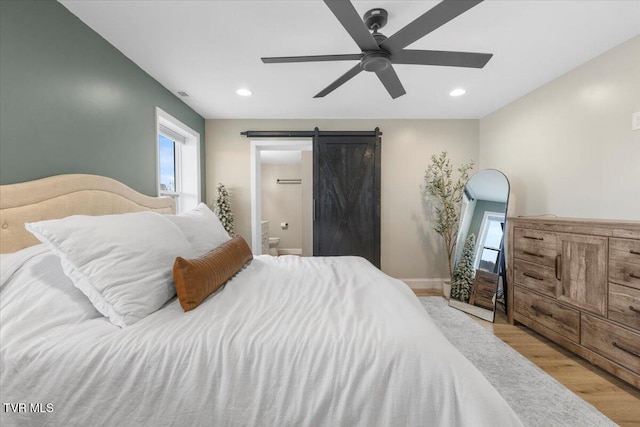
(287, 341)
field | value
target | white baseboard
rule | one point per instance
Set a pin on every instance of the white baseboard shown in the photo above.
(290, 251)
(424, 283)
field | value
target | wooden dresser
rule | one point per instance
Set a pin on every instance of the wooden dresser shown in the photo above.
(577, 282)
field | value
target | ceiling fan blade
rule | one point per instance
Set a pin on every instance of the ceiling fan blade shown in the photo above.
(391, 82)
(351, 21)
(312, 58)
(441, 57)
(434, 18)
(340, 81)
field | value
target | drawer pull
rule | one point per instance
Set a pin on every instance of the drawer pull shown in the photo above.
(635, 276)
(539, 310)
(631, 251)
(625, 349)
(532, 276)
(632, 308)
(558, 267)
(532, 254)
(533, 237)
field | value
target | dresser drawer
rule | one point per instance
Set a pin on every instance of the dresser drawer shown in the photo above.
(624, 305)
(536, 277)
(538, 247)
(534, 238)
(614, 342)
(624, 262)
(560, 319)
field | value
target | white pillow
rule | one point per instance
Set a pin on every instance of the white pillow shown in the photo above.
(202, 228)
(122, 263)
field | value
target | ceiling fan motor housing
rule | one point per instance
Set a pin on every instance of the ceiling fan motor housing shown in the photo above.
(375, 61)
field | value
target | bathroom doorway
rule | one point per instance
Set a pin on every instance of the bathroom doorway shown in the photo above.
(281, 197)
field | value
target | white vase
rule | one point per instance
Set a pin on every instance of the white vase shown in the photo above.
(446, 288)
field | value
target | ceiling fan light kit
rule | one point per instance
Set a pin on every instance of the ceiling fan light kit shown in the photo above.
(379, 53)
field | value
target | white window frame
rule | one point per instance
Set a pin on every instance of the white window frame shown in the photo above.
(484, 229)
(467, 207)
(187, 160)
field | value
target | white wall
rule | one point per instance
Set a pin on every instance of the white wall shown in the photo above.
(567, 147)
(410, 248)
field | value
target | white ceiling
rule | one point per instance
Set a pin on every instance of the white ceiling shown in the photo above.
(211, 48)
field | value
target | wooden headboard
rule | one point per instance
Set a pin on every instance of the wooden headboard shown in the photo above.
(63, 195)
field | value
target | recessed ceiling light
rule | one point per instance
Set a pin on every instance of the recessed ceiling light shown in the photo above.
(244, 92)
(457, 92)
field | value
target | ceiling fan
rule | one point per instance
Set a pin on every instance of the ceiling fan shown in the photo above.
(380, 52)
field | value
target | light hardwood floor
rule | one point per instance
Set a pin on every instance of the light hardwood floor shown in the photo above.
(614, 398)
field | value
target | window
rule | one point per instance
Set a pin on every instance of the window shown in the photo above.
(490, 242)
(178, 148)
(169, 151)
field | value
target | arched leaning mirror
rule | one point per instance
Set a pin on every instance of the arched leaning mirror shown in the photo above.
(479, 274)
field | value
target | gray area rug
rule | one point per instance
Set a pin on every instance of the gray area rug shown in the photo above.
(537, 398)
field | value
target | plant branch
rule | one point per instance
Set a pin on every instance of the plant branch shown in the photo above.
(447, 193)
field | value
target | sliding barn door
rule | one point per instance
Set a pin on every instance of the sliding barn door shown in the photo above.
(346, 191)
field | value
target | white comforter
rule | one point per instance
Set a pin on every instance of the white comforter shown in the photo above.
(288, 341)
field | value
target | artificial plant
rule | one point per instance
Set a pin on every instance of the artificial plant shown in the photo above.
(446, 193)
(462, 279)
(222, 209)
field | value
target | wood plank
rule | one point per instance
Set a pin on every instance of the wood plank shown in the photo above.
(624, 305)
(535, 246)
(608, 228)
(625, 273)
(510, 252)
(614, 398)
(619, 344)
(536, 277)
(427, 292)
(627, 250)
(583, 268)
(556, 317)
(484, 289)
(624, 262)
(596, 359)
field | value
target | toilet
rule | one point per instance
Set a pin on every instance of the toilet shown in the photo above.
(273, 245)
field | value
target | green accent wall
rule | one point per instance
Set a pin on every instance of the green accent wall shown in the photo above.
(70, 102)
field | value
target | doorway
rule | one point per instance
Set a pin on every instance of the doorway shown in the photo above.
(341, 215)
(292, 226)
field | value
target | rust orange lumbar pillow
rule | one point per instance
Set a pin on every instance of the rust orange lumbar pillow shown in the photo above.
(198, 278)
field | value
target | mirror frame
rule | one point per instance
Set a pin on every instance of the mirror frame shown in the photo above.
(483, 313)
